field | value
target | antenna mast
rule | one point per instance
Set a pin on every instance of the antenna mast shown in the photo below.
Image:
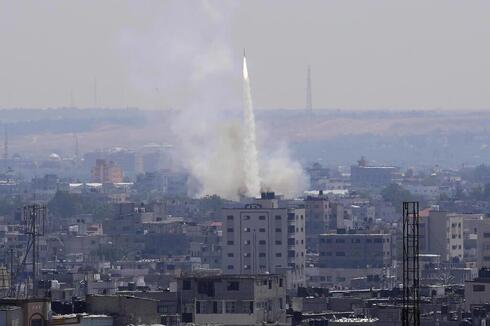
(309, 104)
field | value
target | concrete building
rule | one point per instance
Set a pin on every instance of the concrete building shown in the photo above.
(363, 175)
(441, 233)
(233, 299)
(318, 174)
(107, 172)
(477, 292)
(483, 244)
(355, 250)
(345, 258)
(82, 320)
(317, 219)
(35, 311)
(264, 238)
(125, 309)
(428, 192)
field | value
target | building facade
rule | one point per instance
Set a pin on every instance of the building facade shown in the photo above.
(233, 299)
(264, 238)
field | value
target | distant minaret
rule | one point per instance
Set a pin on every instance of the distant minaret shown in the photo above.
(5, 144)
(72, 99)
(95, 91)
(309, 104)
(77, 148)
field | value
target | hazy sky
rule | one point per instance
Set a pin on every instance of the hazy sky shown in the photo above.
(366, 54)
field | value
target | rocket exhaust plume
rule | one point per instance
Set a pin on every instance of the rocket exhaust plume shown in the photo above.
(251, 165)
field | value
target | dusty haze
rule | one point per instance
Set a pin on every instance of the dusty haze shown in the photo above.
(379, 54)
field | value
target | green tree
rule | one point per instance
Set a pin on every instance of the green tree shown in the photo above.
(396, 195)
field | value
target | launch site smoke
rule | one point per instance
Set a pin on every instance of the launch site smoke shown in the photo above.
(216, 144)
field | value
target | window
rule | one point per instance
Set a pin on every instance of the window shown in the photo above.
(162, 308)
(278, 230)
(478, 287)
(278, 217)
(278, 242)
(262, 242)
(278, 254)
(246, 217)
(290, 241)
(262, 217)
(340, 254)
(198, 307)
(206, 287)
(230, 242)
(230, 267)
(233, 286)
(246, 229)
(216, 308)
(229, 217)
(246, 242)
(261, 230)
(378, 240)
(230, 307)
(229, 229)
(262, 254)
(230, 254)
(486, 235)
(280, 282)
(291, 253)
(186, 285)
(339, 241)
(246, 254)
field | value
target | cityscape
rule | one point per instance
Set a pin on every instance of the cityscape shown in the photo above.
(192, 191)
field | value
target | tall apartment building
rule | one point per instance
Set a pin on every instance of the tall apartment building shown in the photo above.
(344, 257)
(265, 238)
(322, 216)
(442, 233)
(316, 213)
(483, 244)
(106, 172)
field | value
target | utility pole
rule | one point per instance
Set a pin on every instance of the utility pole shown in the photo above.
(309, 102)
(34, 219)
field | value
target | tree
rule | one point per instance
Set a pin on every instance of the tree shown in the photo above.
(396, 195)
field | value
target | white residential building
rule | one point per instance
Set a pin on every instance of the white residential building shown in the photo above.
(264, 238)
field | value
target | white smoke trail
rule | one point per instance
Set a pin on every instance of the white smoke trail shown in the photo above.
(251, 164)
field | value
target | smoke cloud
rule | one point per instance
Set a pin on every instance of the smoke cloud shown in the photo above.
(251, 168)
(215, 143)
